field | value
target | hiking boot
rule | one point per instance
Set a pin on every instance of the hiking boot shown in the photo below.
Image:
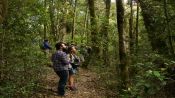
(62, 95)
(73, 88)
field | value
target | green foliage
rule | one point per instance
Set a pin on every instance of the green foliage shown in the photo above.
(23, 74)
(148, 77)
(22, 60)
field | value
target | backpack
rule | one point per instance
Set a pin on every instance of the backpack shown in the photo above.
(76, 62)
(41, 46)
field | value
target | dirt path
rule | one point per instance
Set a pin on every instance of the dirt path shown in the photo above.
(86, 81)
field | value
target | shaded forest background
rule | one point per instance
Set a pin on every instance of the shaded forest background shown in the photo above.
(132, 43)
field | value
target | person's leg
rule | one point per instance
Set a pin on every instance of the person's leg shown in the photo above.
(70, 77)
(62, 82)
(71, 80)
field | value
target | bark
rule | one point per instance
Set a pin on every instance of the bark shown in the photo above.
(105, 32)
(94, 41)
(51, 10)
(122, 52)
(137, 27)
(149, 13)
(168, 29)
(74, 21)
(85, 25)
(63, 22)
(45, 24)
(2, 55)
(93, 23)
(3, 9)
(131, 35)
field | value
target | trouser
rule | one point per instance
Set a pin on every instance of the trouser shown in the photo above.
(62, 82)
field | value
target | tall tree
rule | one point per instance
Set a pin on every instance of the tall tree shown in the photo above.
(52, 18)
(137, 27)
(122, 49)
(63, 20)
(3, 9)
(85, 26)
(154, 28)
(94, 39)
(104, 31)
(45, 24)
(168, 28)
(74, 20)
(131, 35)
(3, 12)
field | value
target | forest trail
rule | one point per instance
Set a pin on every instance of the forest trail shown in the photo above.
(85, 80)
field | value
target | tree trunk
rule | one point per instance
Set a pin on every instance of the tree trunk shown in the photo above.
(3, 22)
(63, 29)
(45, 24)
(94, 39)
(105, 37)
(122, 52)
(3, 47)
(51, 10)
(85, 25)
(168, 29)
(74, 19)
(3, 9)
(149, 14)
(137, 27)
(131, 35)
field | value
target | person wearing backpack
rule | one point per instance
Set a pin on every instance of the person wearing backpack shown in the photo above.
(46, 45)
(73, 67)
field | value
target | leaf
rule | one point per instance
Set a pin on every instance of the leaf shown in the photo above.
(147, 85)
(173, 62)
(156, 73)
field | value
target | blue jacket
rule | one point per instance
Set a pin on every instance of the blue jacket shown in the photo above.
(46, 45)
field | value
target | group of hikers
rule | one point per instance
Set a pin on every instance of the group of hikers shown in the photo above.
(65, 63)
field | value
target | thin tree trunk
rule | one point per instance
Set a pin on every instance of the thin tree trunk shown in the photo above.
(137, 27)
(122, 52)
(105, 32)
(85, 24)
(94, 40)
(63, 29)
(3, 9)
(131, 35)
(45, 24)
(168, 29)
(149, 17)
(74, 21)
(2, 50)
(87, 18)
(87, 31)
(51, 8)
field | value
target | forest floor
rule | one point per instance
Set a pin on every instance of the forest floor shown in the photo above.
(85, 80)
(89, 85)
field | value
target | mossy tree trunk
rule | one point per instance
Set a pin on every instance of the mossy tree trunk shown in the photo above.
(150, 14)
(122, 49)
(168, 28)
(131, 33)
(3, 9)
(137, 28)
(74, 20)
(105, 32)
(93, 23)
